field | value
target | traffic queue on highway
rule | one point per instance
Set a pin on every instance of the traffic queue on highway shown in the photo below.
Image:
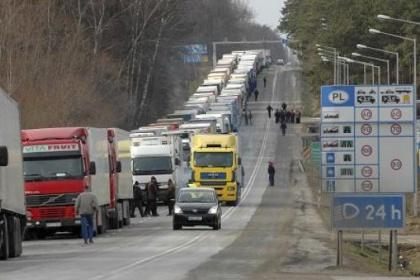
(44, 170)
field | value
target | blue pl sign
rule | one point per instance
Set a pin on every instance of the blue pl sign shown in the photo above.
(368, 212)
(337, 96)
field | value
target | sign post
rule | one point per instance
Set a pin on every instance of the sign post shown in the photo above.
(368, 156)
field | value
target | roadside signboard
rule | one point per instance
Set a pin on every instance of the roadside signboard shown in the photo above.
(368, 139)
(315, 152)
(361, 211)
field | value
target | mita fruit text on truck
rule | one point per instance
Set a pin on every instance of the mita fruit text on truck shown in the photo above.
(158, 156)
(215, 163)
(12, 200)
(58, 163)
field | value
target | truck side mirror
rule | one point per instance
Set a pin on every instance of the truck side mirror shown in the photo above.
(239, 161)
(4, 156)
(118, 167)
(92, 168)
(177, 161)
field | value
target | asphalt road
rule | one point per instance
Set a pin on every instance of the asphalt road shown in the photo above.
(273, 234)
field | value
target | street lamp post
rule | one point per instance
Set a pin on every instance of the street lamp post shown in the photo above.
(334, 51)
(397, 58)
(349, 60)
(394, 234)
(376, 31)
(377, 59)
(326, 57)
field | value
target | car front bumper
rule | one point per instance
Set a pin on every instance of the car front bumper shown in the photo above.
(195, 219)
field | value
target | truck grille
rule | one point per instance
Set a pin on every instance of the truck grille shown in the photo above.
(213, 183)
(51, 199)
(52, 212)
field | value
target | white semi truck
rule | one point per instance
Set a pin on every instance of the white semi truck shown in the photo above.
(158, 156)
(12, 197)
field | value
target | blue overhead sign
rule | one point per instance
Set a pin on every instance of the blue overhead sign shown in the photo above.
(368, 212)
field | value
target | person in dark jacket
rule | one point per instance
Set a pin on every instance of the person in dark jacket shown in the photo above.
(269, 110)
(250, 117)
(152, 192)
(171, 197)
(256, 92)
(283, 127)
(271, 173)
(277, 115)
(284, 106)
(137, 200)
(265, 82)
(245, 113)
(298, 116)
(282, 116)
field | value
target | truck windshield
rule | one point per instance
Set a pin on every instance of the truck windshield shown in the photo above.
(218, 159)
(38, 168)
(152, 165)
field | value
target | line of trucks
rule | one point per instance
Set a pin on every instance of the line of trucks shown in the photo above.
(196, 145)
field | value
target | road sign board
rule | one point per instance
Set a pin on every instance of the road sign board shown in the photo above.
(368, 139)
(368, 212)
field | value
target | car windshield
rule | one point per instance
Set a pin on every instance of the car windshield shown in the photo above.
(219, 159)
(36, 168)
(196, 196)
(152, 165)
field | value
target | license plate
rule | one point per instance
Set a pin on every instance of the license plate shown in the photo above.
(195, 218)
(53, 224)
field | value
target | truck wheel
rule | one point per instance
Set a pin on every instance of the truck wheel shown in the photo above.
(104, 226)
(15, 237)
(113, 220)
(126, 220)
(4, 248)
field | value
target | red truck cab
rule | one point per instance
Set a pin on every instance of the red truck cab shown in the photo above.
(56, 169)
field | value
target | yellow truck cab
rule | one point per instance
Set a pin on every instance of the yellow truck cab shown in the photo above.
(215, 163)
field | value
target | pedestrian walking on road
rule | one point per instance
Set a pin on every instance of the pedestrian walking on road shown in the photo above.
(245, 113)
(284, 106)
(292, 116)
(277, 115)
(283, 127)
(282, 116)
(250, 117)
(137, 200)
(288, 116)
(152, 190)
(86, 206)
(298, 116)
(171, 197)
(271, 173)
(256, 92)
(269, 110)
(265, 82)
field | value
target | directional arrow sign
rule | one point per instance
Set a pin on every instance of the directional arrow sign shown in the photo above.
(368, 212)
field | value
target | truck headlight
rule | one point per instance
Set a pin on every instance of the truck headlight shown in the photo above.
(213, 209)
(177, 209)
(231, 189)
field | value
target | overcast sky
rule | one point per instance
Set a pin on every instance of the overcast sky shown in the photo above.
(267, 11)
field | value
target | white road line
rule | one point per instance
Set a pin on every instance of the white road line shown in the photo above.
(201, 236)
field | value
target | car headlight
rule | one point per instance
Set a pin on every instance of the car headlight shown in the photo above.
(213, 210)
(177, 209)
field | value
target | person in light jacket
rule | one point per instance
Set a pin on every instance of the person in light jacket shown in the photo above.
(86, 206)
